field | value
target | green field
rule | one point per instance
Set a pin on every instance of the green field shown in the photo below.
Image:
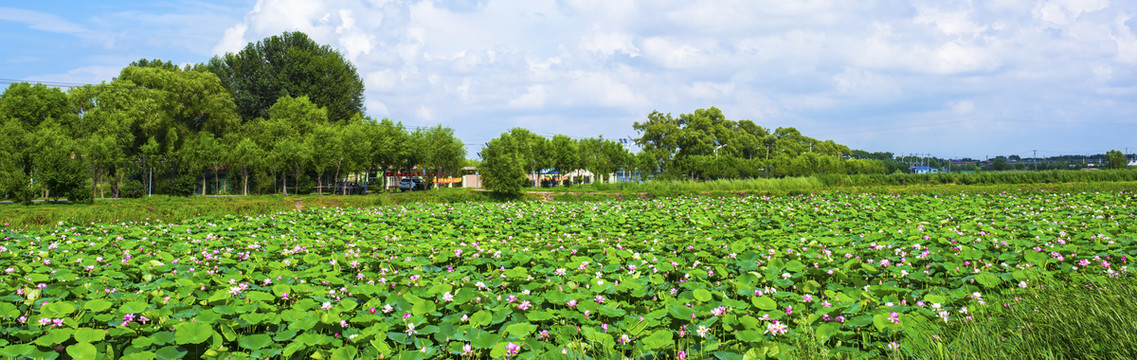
(842, 275)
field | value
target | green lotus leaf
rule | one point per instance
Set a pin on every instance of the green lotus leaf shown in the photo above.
(764, 302)
(193, 332)
(82, 351)
(702, 295)
(658, 339)
(170, 353)
(88, 335)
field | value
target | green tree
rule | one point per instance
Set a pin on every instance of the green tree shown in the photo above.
(244, 155)
(532, 149)
(1114, 159)
(613, 157)
(327, 151)
(14, 182)
(202, 154)
(26, 107)
(389, 141)
(438, 152)
(502, 167)
(563, 153)
(290, 64)
(357, 147)
(59, 165)
(192, 101)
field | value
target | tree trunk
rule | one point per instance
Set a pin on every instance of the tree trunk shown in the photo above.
(245, 171)
(203, 184)
(320, 183)
(94, 181)
(335, 182)
(284, 183)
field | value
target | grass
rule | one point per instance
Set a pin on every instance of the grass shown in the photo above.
(1083, 318)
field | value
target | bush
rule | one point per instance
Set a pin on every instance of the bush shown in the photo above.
(81, 194)
(305, 186)
(131, 189)
(183, 186)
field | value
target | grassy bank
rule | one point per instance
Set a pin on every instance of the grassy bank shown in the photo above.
(167, 208)
(831, 182)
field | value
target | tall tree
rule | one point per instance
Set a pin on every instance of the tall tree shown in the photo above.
(563, 154)
(244, 155)
(533, 154)
(192, 100)
(502, 167)
(26, 107)
(438, 152)
(291, 120)
(327, 152)
(389, 146)
(289, 64)
(357, 148)
(109, 113)
(1114, 159)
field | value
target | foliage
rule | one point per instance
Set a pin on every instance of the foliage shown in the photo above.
(1116, 160)
(503, 165)
(436, 150)
(185, 185)
(132, 189)
(290, 64)
(839, 275)
(706, 145)
(1083, 317)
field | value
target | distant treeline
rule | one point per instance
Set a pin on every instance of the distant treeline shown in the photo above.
(981, 178)
(1105, 180)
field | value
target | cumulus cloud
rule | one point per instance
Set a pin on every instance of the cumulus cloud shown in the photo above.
(591, 67)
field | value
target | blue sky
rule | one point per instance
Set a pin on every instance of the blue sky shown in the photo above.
(947, 78)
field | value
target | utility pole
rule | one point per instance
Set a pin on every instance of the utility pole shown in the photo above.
(1035, 158)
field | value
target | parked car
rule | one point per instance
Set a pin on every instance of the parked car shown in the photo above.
(411, 184)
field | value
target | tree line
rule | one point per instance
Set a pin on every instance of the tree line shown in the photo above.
(282, 115)
(702, 145)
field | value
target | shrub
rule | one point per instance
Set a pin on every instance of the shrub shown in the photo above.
(184, 185)
(131, 189)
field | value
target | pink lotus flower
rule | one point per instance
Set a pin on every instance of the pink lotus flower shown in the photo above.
(512, 349)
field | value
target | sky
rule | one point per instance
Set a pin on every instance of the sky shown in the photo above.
(946, 78)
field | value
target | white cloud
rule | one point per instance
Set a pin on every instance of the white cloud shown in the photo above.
(1064, 12)
(534, 98)
(962, 107)
(608, 44)
(233, 40)
(1126, 41)
(675, 54)
(41, 21)
(949, 22)
(590, 67)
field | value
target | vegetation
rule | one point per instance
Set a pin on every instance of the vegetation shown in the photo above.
(705, 145)
(176, 209)
(268, 123)
(1116, 160)
(853, 276)
(290, 64)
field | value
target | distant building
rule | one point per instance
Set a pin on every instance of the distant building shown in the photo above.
(923, 170)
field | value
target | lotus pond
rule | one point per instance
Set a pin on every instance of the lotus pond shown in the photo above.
(859, 275)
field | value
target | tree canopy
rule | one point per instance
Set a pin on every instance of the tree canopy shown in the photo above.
(290, 64)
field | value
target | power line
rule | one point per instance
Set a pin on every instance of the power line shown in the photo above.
(43, 82)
